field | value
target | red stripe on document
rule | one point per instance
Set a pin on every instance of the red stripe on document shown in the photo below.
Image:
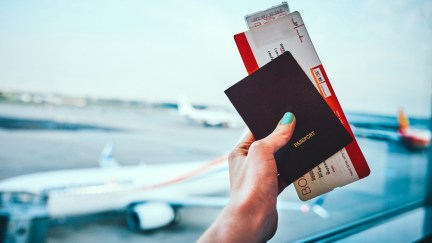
(189, 175)
(358, 160)
(246, 53)
(353, 149)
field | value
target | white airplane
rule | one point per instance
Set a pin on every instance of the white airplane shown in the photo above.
(150, 194)
(401, 132)
(207, 117)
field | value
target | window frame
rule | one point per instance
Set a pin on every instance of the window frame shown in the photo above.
(384, 217)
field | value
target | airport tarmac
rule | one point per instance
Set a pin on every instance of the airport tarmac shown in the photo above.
(161, 136)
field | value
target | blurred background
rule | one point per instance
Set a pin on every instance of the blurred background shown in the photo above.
(104, 87)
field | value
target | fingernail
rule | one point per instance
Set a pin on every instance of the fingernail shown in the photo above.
(287, 118)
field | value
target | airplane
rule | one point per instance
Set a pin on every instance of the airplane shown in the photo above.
(386, 129)
(149, 194)
(413, 138)
(207, 117)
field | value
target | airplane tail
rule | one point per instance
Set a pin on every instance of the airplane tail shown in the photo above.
(184, 106)
(403, 122)
(106, 158)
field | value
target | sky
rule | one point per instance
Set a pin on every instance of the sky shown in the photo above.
(377, 54)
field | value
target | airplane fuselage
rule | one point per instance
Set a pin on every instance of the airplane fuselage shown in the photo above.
(82, 191)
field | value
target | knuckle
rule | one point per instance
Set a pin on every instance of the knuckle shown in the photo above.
(286, 134)
(232, 155)
(283, 132)
(260, 147)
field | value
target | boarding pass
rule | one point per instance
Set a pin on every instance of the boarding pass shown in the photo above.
(262, 44)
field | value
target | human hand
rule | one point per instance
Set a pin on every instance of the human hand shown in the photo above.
(251, 214)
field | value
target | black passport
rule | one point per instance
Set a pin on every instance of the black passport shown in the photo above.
(263, 97)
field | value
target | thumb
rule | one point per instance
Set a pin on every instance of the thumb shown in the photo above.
(283, 132)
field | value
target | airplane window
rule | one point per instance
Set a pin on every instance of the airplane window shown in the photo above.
(114, 123)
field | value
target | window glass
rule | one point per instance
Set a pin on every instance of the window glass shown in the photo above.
(101, 89)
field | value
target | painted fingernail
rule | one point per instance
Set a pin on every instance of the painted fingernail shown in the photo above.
(287, 118)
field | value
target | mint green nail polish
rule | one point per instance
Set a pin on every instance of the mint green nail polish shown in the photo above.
(287, 118)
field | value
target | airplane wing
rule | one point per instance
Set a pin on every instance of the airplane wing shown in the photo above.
(375, 133)
(221, 201)
(198, 201)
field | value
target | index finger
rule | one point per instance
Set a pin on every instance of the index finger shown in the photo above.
(244, 143)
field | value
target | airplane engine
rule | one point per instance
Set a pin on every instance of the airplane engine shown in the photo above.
(150, 216)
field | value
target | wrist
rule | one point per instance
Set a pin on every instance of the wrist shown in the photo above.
(256, 217)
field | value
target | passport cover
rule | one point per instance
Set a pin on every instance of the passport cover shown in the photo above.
(263, 97)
